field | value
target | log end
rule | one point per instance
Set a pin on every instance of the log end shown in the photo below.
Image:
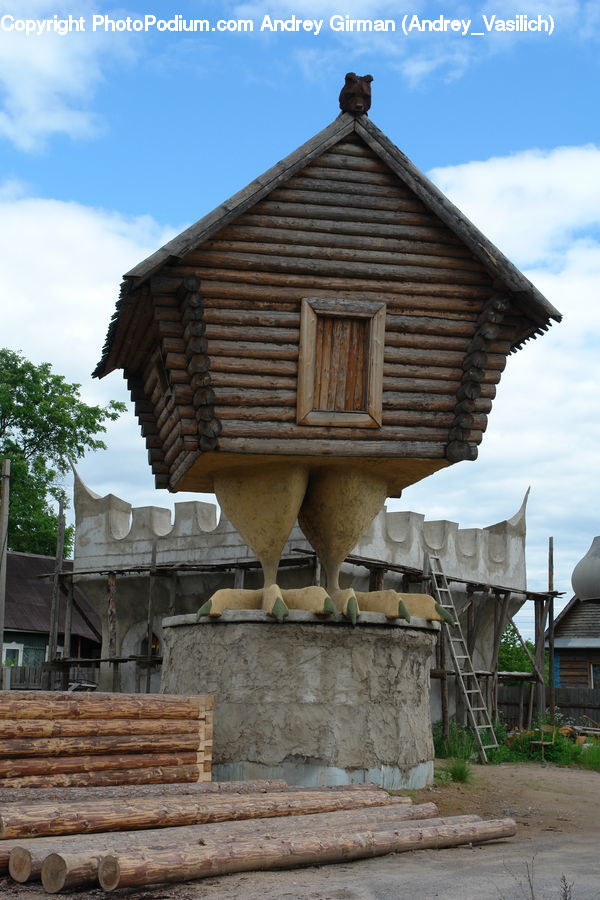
(109, 873)
(19, 864)
(54, 873)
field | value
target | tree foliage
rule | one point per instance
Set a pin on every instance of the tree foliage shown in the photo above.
(512, 657)
(44, 425)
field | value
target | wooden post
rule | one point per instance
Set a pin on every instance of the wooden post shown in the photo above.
(48, 679)
(150, 620)
(530, 704)
(470, 610)
(376, 576)
(4, 495)
(551, 686)
(111, 614)
(238, 578)
(172, 593)
(443, 684)
(540, 616)
(69, 615)
(317, 576)
(521, 693)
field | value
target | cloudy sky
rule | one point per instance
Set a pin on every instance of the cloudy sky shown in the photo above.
(113, 139)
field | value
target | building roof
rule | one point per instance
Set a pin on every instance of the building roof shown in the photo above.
(28, 598)
(524, 295)
(579, 621)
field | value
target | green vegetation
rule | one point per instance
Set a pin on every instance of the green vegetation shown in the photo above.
(43, 425)
(459, 744)
(563, 752)
(458, 770)
(511, 656)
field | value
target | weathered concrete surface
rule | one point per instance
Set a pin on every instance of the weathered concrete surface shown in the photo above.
(309, 701)
(109, 533)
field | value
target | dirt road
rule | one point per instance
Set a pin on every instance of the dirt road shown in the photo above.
(557, 846)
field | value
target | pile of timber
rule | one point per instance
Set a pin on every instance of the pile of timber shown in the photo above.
(64, 739)
(177, 833)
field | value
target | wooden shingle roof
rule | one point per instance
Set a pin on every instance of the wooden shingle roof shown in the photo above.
(531, 303)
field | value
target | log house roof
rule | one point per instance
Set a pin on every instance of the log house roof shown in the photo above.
(530, 302)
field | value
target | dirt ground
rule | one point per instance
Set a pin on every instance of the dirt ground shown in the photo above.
(556, 853)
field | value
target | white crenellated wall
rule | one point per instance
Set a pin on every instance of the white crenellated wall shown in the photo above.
(111, 534)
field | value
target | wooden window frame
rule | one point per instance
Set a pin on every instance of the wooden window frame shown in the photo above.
(374, 311)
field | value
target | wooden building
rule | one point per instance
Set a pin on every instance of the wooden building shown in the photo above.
(28, 604)
(338, 307)
(577, 645)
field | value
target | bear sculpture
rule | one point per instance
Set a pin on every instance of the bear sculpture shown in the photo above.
(355, 96)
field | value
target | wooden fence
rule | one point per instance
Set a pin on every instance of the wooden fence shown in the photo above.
(31, 678)
(574, 704)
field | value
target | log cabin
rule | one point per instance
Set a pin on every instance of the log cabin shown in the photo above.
(337, 329)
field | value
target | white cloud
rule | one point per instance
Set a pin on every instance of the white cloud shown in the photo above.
(543, 211)
(421, 55)
(48, 81)
(60, 270)
(532, 204)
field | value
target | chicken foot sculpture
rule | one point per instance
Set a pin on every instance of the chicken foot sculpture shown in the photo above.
(334, 506)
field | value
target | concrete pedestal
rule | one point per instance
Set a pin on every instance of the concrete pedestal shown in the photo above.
(311, 701)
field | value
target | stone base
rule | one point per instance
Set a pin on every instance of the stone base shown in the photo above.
(310, 775)
(313, 700)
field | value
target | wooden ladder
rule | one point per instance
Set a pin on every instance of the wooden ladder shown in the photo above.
(466, 679)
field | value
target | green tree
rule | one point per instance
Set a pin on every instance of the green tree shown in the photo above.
(44, 425)
(512, 657)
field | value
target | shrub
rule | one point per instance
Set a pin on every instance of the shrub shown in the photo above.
(459, 770)
(460, 743)
(590, 757)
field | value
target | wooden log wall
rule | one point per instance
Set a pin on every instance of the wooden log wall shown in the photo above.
(64, 739)
(212, 341)
(343, 227)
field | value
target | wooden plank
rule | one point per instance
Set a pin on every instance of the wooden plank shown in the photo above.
(257, 262)
(455, 298)
(317, 447)
(94, 744)
(418, 246)
(334, 433)
(48, 766)
(253, 350)
(46, 728)
(348, 200)
(430, 230)
(273, 367)
(147, 812)
(125, 870)
(159, 775)
(339, 254)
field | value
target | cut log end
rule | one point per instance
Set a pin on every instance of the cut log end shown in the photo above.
(109, 873)
(19, 864)
(54, 873)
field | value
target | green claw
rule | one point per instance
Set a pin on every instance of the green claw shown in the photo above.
(403, 613)
(444, 614)
(205, 608)
(279, 610)
(328, 606)
(352, 609)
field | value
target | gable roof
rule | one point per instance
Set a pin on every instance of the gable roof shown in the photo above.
(28, 598)
(531, 301)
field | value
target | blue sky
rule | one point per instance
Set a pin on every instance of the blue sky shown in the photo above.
(110, 143)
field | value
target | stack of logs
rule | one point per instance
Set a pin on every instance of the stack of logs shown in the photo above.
(195, 830)
(69, 739)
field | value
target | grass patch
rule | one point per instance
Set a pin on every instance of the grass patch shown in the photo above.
(590, 757)
(459, 744)
(458, 770)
